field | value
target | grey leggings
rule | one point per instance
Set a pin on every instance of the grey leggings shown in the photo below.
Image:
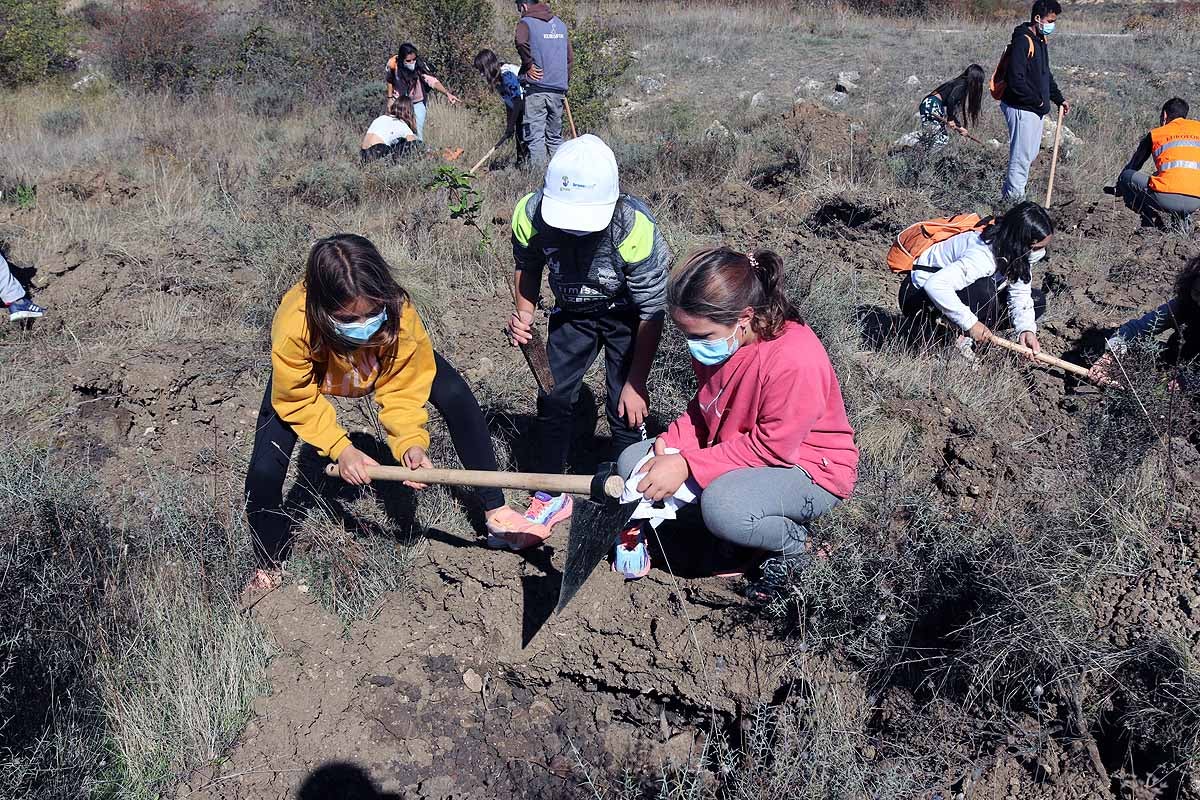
(765, 508)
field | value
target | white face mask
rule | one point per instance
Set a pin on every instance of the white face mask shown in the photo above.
(1036, 255)
(410, 66)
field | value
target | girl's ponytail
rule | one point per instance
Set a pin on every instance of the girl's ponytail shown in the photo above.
(718, 283)
(778, 308)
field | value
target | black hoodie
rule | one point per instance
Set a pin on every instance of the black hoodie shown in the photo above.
(1031, 86)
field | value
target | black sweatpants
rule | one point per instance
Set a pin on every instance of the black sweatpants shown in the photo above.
(572, 344)
(984, 297)
(274, 441)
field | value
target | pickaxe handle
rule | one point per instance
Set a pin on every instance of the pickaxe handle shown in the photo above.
(479, 163)
(612, 485)
(1067, 366)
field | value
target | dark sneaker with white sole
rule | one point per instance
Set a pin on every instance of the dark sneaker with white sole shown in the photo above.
(776, 576)
(24, 309)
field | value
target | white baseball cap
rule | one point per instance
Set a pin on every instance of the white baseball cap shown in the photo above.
(582, 186)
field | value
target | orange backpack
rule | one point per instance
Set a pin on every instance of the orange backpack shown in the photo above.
(999, 81)
(920, 236)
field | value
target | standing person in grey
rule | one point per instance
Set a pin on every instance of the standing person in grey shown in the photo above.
(546, 58)
(1029, 90)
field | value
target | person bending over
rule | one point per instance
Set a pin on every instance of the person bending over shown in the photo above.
(968, 277)
(951, 106)
(503, 80)
(348, 329)
(391, 134)
(1180, 315)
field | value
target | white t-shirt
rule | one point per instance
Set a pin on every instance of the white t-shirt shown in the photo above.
(390, 129)
(960, 261)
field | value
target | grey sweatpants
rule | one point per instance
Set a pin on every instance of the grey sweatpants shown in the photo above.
(765, 508)
(1024, 140)
(10, 289)
(543, 126)
(1133, 186)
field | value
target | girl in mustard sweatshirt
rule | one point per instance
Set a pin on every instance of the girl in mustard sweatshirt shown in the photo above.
(348, 329)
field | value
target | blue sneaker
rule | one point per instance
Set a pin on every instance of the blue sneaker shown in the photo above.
(24, 309)
(630, 556)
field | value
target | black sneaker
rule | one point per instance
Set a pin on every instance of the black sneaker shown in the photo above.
(776, 575)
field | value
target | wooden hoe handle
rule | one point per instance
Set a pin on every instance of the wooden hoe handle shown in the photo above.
(1067, 366)
(530, 481)
(1054, 158)
(479, 163)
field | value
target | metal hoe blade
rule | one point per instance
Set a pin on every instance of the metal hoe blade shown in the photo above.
(594, 529)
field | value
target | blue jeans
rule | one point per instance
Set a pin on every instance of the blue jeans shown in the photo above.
(419, 110)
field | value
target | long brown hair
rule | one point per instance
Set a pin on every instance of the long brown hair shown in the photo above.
(402, 109)
(717, 283)
(341, 269)
(489, 67)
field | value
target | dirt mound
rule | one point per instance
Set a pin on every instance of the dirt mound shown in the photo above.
(467, 687)
(98, 186)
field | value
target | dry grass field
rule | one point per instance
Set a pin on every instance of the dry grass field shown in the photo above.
(1011, 603)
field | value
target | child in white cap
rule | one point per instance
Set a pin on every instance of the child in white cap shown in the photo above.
(608, 267)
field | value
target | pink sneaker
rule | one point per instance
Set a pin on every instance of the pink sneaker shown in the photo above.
(509, 529)
(549, 510)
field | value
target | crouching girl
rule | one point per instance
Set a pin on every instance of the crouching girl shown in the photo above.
(349, 329)
(766, 438)
(968, 276)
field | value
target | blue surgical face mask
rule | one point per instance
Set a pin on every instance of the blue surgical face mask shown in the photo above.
(711, 352)
(1047, 28)
(361, 332)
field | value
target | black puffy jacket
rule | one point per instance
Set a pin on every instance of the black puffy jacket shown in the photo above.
(1031, 85)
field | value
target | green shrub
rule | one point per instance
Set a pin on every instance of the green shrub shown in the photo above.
(272, 100)
(601, 58)
(328, 185)
(34, 39)
(339, 43)
(448, 34)
(62, 121)
(361, 104)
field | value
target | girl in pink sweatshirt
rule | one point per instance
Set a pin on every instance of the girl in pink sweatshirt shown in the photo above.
(766, 439)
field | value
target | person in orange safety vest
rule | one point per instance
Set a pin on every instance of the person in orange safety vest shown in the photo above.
(1174, 188)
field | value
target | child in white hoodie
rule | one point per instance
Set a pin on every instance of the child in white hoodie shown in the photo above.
(965, 277)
